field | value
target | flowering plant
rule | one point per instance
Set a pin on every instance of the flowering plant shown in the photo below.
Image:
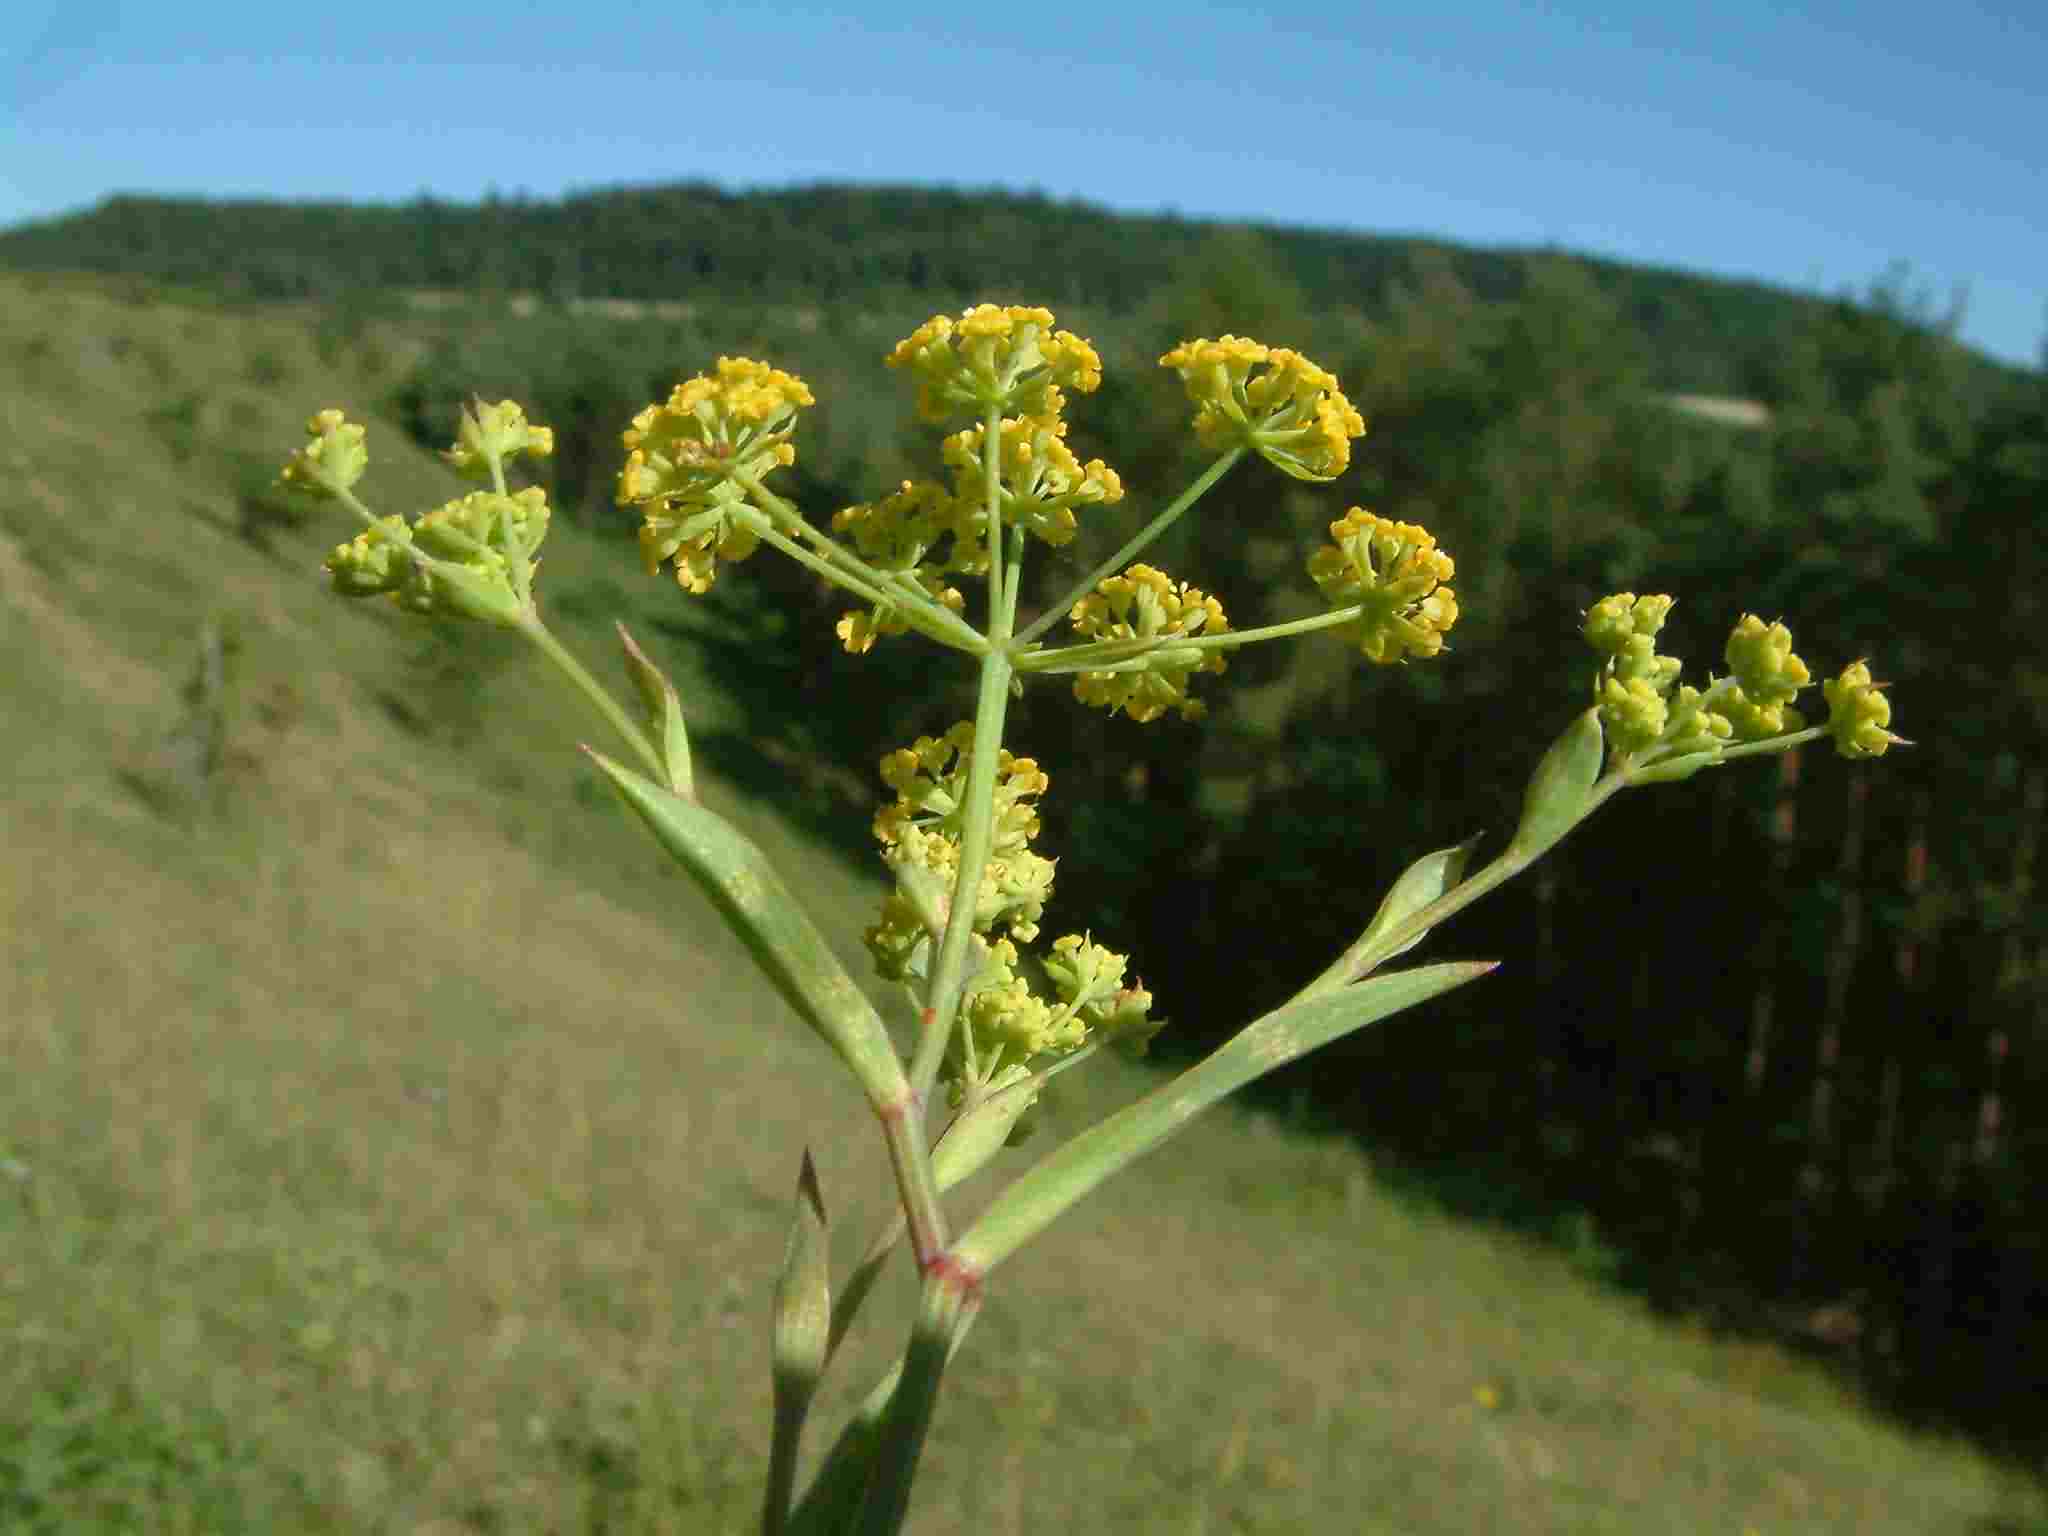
(993, 1012)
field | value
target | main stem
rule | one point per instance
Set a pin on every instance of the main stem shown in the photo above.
(950, 1298)
(991, 705)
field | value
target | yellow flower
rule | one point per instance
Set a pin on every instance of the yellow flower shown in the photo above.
(1006, 359)
(493, 433)
(376, 560)
(473, 558)
(924, 827)
(1395, 572)
(896, 535)
(332, 461)
(1615, 624)
(1759, 656)
(1290, 412)
(692, 461)
(1634, 713)
(1039, 483)
(1150, 610)
(1858, 714)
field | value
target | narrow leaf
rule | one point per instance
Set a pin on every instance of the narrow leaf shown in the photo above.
(1420, 884)
(1038, 1196)
(979, 1134)
(784, 942)
(663, 708)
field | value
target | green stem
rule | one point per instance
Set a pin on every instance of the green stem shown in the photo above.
(828, 1505)
(531, 626)
(950, 1298)
(942, 997)
(790, 1411)
(916, 1188)
(991, 705)
(1771, 746)
(1132, 546)
(1098, 654)
(843, 568)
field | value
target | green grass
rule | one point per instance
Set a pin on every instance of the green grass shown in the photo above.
(389, 1142)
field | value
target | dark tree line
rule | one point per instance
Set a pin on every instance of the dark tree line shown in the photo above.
(844, 245)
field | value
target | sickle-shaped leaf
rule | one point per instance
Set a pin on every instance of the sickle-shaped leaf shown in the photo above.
(785, 943)
(1030, 1204)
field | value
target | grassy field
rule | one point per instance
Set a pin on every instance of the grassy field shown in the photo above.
(390, 1143)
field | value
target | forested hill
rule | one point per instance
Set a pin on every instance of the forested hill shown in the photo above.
(836, 243)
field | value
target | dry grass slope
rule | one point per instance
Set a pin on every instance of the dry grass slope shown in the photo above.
(387, 1144)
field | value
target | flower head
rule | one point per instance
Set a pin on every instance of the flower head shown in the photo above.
(924, 827)
(897, 536)
(332, 460)
(473, 558)
(491, 434)
(1290, 412)
(1395, 573)
(1009, 360)
(1039, 481)
(1859, 714)
(1089, 979)
(1145, 607)
(694, 461)
(1634, 686)
(1765, 677)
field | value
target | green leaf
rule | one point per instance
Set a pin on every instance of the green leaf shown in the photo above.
(1558, 789)
(1038, 1196)
(784, 942)
(1419, 884)
(663, 707)
(983, 1131)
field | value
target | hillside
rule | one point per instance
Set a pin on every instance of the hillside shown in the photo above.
(837, 244)
(390, 1144)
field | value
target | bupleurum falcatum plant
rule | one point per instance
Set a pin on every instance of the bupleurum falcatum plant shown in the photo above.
(995, 1008)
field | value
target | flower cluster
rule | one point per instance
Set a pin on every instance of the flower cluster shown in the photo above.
(694, 465)
(491, 434)
(1765, 677)
(472, 558)
(1649, 716)
(1038, 482)
(332, 459)
(901, 536)
(1009, 360)
(1290, 412)
(1858, 714)
(1146, 609)
(923, 829)
(1007, 1024)
(928, 532)
(1394, 573)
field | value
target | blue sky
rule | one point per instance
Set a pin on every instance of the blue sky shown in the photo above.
(1808, 146)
